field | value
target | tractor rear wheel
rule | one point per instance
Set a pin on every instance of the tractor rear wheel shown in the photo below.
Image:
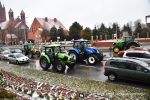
(44, 63)
(116, 49)
(60, 66)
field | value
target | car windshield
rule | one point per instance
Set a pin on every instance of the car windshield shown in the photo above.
(6, 52)
(19, 55)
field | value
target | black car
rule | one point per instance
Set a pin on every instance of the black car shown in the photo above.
(127, 68)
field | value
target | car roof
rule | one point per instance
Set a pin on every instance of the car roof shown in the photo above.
(138, 51)
(129, 59)
(51, 45)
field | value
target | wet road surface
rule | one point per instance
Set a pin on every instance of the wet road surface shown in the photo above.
(83, 70)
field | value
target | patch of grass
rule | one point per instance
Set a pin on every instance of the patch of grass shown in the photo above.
(114, 91)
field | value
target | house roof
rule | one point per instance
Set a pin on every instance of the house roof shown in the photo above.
(50, 23)
(16, 23)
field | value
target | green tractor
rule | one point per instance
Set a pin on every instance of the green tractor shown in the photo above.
(54, 56)
(125, 43)
(30, 50)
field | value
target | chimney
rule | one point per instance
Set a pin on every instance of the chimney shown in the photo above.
(55, 20)
(46, 19)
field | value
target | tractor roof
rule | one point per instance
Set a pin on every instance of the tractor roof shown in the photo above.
(81, 40)
(51, 45)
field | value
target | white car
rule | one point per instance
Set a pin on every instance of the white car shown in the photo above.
(138, 54)
(4, 55)
(18, 58)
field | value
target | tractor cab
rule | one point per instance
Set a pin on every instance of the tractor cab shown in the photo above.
(80, 44)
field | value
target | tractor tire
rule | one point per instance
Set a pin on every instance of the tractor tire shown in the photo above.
(92, 59)
(30, 55)
(74, 56)
(44, 63)
(71, 66)
(132, 45)
(116, 50)
(60, 66)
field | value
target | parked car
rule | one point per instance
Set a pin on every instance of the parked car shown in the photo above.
(4, 49)
(138, 54)
(127, 68)
(120, 53)
(4, 55)
(16, 51)
(18, 58)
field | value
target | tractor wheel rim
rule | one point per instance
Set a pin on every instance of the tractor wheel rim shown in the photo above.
(132, 46)
(91, 60)
(112, 77)
(73, 56)
(59, 67)
(116, 50)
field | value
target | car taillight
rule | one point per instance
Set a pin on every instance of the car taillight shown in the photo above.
(105, 66)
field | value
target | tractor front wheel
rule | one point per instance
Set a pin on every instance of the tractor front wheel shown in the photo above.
(60, 66)
(116, 49)
(44, 63)
(92, 59)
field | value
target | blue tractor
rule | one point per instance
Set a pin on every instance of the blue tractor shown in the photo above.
(82, 51)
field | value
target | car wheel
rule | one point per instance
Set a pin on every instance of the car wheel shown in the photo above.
(17, 62)
(44, 63)
(92, 59)
(60, 66)
(112, 77)
(74, 56)
(9, 62)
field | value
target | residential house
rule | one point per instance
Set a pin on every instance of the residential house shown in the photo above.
(41, 24)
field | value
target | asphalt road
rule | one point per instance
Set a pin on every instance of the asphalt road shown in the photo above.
(83, 70)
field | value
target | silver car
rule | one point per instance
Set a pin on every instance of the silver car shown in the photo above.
(18, 58)
(4, 55)
(138, 54)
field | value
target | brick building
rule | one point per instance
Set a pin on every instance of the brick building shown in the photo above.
(40, 24)
(13, 30)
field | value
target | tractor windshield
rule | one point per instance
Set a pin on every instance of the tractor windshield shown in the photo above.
(78, 44)
(57, 49)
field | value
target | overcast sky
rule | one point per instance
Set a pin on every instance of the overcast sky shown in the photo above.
(87, 12)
